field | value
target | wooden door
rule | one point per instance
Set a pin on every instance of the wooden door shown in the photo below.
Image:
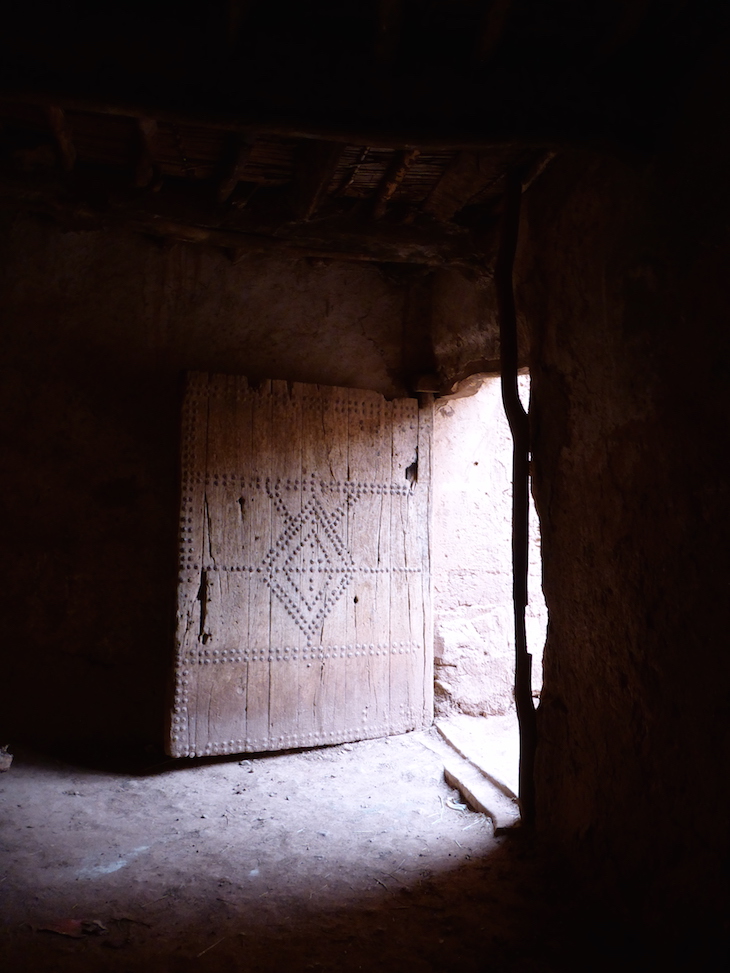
(304, 609)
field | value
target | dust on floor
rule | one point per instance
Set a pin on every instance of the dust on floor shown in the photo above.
(354, 857)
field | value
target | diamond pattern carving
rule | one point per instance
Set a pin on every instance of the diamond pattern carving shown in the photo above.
(310, 566)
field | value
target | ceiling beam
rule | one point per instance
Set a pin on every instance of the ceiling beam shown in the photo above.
(234, 171)
(352, 171)
(145, 169)
(315, 168)
(63, 137)
(392, 178)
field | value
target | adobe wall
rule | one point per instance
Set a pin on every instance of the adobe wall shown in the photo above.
(624, 282)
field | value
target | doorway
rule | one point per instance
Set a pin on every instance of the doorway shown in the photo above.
(313, 522)
(472, 574)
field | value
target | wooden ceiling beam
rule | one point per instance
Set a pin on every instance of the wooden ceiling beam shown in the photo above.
(145, 168)
(315, 168)
(63, 137)
(352, 171)
(234, 172)
(392, 178)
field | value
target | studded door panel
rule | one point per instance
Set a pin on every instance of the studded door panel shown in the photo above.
(304, 611)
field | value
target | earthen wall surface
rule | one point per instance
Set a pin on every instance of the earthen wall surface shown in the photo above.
(624, 281)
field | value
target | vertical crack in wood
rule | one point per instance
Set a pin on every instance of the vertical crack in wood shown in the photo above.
(203, 599)
(412, 472)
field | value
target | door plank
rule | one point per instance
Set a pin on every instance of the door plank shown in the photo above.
(259, 616)
(328, 454)
(194, 437)
(365, 689)
(404, 635)
(285, 562)
(221, 685)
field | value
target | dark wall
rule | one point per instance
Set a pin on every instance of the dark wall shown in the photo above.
(624, 282)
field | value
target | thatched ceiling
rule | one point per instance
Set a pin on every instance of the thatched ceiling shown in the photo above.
(365, 129)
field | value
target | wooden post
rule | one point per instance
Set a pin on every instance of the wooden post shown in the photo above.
(520, 429)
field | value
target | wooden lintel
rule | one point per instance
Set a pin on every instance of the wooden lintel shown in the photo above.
(491, 29)
(315, 168)
(393, 177)
(145, 168)
(62, 134)
(234, 173)
(362, 248)
(360, 251)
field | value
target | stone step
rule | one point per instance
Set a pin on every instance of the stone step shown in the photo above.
(481, 794)
(490, 744)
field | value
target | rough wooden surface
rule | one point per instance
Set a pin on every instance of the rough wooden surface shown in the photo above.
(304, 595)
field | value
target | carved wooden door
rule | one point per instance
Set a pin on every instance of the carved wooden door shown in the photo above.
(304, 614)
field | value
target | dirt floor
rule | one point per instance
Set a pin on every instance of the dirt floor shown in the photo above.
(355, 857)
